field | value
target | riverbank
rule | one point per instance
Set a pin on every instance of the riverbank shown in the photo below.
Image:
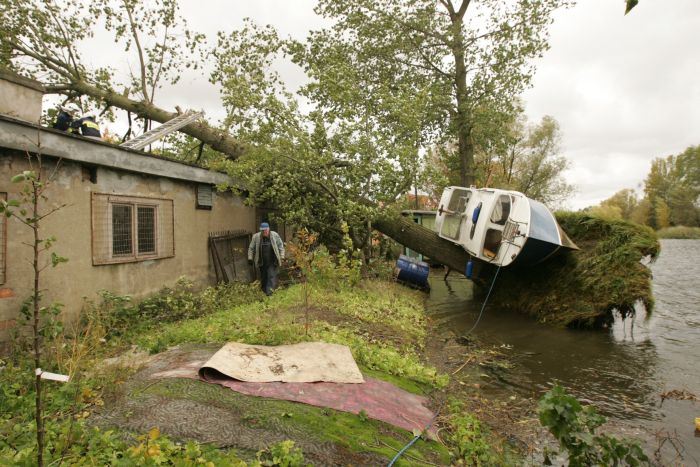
(679, 232)
(108, 403)
(625, 371)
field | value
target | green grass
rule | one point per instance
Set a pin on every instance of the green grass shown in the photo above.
(279, 320)
(382, 323)
(679, 232)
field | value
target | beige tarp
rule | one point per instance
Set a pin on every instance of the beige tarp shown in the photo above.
(298, 363)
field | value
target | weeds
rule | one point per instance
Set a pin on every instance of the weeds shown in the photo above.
(468, 437)
(574, 426)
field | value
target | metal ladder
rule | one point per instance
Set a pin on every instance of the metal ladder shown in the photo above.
(166, 128)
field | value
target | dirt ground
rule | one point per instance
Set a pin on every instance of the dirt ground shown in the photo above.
(511, 421)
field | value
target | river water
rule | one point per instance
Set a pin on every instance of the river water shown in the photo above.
(622, 370)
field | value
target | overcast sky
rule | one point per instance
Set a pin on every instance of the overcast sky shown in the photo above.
(625, 89)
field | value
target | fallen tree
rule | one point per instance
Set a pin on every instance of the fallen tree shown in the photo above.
(582, 288)
(585, 288)
(365, 126)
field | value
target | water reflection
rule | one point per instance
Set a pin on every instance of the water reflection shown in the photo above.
(622, 370)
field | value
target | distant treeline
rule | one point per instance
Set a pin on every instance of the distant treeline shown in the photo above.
(671, 197)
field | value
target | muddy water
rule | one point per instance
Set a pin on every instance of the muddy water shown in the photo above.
(622, 370)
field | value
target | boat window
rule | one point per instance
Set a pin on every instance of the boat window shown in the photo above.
(453, 221)
(458, 201)
(501, 210)
(492, 242)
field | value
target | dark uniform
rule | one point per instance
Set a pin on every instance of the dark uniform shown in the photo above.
(63, 121)
(87, 127)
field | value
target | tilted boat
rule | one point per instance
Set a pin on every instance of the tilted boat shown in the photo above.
(502, 227)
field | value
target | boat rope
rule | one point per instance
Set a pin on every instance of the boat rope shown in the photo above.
(483, 306)
(415, 438)
(486, 300)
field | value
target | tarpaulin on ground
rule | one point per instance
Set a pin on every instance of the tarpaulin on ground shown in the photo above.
(297, 363)
(378, 399)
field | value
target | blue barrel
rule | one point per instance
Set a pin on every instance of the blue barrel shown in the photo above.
(412, 272)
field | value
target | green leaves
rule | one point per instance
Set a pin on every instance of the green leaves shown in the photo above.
(56, 260)
(574, 426)
(630, 4)
(27, 175)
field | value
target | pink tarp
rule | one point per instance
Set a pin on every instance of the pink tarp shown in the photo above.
(380, 400)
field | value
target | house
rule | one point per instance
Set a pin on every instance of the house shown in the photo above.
(131, 223)
(420, 217)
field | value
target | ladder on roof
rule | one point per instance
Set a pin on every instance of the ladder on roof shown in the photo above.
(166, 128)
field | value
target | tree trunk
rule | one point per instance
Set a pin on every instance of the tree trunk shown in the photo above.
(218, 140)
(424, 241)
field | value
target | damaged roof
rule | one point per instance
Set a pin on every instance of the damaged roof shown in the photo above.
(29, 137)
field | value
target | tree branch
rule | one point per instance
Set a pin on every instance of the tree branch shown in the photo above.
(142, 62)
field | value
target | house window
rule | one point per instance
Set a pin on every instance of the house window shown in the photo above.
(205, 197)
(3, 241)
(122, 238)
(146, 227)
(130, 228)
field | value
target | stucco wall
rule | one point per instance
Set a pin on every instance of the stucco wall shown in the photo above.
(19, 98)
(70, 282)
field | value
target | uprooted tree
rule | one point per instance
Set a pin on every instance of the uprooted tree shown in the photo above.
(387, 81)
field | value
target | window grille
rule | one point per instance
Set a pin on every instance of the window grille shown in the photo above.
(3, 241)
(121, 230)
(131, 228)
(146, 227)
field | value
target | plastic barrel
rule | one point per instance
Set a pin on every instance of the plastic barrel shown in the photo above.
(412, 272)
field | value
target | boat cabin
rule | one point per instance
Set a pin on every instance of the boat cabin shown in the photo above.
(482, 221)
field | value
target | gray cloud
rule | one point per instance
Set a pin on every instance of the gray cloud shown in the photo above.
(623, 88)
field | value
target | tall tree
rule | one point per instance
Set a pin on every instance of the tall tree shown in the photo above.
(625, 200)
(675, 180)
(476, 54)
(511, 154)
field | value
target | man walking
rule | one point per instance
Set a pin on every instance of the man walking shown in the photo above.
(266, 252)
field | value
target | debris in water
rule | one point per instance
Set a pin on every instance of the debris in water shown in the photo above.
(678, 395)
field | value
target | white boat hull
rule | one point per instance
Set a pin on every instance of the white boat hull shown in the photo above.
(502, 227)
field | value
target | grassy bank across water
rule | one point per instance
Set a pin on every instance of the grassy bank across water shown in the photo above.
(679, 232)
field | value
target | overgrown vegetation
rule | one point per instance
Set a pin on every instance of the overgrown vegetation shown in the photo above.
(574, 426)
(585, 288)
(679, 232)
(382, 322)
(106, 327)
(468, 438)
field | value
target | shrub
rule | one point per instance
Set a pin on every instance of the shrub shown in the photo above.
(468, 438)
(574, 426)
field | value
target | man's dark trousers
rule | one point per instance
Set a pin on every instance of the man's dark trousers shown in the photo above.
(268, 277)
